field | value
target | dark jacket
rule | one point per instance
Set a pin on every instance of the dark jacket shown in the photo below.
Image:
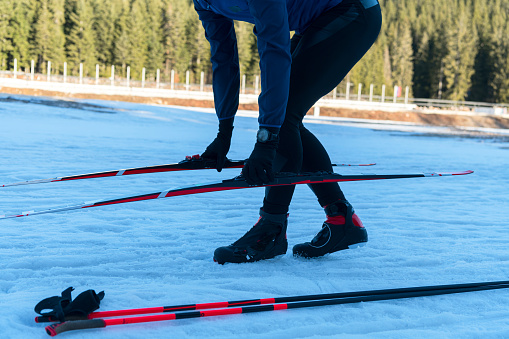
(273, 20)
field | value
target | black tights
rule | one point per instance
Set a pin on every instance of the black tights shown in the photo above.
(321, 57)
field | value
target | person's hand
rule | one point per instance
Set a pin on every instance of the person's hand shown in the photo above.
(219, 148)
(258, 167)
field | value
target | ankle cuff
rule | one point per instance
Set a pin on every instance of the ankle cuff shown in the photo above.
(339, 208)
(277, 218)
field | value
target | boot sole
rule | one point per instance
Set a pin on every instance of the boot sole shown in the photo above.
(346, 243)
(358, 245)
(243, 262)
(272, 254)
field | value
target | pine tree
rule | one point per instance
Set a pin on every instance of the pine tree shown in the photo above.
(80, 36)
(48, 36)
(20, 25)
(402, 55)
(481, 89)
(105, 16)
(6, 7)
(122, 46)
(137, 36)
(42, 34)
(202, 51)
(248, 50)
(369, 70)
(56, 52)
(421, 80)
(155, 50)
(500, 57)
(177, 44)
(459, 63)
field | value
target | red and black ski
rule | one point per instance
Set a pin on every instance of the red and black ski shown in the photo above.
(195, 162)
(281, 179)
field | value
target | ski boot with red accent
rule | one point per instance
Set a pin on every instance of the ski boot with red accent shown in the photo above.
(342, 230)
(265, 240)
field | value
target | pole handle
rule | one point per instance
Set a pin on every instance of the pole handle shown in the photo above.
(55, 329)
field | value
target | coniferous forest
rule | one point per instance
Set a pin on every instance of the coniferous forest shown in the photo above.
(455, 49)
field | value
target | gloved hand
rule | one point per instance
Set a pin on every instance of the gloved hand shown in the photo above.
(219, 148)
(258, 167)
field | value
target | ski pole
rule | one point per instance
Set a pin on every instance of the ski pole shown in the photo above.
(265, 301)
(55, 329)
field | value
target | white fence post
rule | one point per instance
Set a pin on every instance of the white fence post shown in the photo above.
(257, 81)
(81, 73)
(48, 77)
(143, 71)
(383, 94)
(187, 80)
(347, 97)
(128, 75)
(202, 81)
(172, 79)
(396, 89)
(243, 84)
(32, 70)
(359, 93)
(97, 74)
(371, 88)
(407, 93)
(15, 68)
(316, 111)
(65, 72)
(158, 78)
(112, 75)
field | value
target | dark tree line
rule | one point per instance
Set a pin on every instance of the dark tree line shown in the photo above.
(456, 49)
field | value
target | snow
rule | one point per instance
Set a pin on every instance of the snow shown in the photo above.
(422, 231)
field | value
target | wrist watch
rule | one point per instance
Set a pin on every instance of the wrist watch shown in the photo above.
(264, 135)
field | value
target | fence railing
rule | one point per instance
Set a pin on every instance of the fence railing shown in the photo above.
(352, 95)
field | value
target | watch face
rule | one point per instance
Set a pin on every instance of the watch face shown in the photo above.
(262, 135)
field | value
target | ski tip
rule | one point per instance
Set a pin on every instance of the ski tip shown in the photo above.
(352, 165)
(464, 172)
(443, 174)
(24, 214)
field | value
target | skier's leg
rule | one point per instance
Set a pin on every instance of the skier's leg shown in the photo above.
(315, 159)
(321, 58)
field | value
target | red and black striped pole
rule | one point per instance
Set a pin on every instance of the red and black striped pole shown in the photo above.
(278, 304)
(265, 301)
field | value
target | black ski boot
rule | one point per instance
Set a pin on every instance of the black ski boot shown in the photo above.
(342, 230)
(265, 240)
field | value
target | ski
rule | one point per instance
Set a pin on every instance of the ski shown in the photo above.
(323, 300)
(194, 162)
(269, 301)
(281, 179)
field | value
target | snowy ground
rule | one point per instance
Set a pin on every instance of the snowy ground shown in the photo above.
(421, 231)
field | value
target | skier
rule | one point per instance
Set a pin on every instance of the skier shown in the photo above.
(331, 36)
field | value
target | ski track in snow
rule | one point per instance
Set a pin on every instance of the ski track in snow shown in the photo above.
(422, 231)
